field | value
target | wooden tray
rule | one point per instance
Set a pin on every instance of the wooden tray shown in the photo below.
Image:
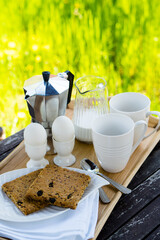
(18, 159)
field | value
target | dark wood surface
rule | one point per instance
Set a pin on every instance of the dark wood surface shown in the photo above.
(137, 215)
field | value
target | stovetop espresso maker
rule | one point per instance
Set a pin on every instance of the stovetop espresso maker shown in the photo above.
(47, 97)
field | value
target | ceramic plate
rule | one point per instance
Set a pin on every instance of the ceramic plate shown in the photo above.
(9, 212)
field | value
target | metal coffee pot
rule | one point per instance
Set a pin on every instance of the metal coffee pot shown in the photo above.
(47, 97)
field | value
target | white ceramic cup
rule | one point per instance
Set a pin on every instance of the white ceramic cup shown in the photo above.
(134, 105)
(113, 136)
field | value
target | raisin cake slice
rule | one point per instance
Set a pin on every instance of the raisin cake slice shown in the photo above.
(16, 190)
(58, 186)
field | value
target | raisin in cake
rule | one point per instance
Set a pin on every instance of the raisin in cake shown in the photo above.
(58, 186)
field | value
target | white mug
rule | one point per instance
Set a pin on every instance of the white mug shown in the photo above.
(134, 105)
(113, 136)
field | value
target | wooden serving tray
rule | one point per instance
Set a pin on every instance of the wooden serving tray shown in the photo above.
(18, 159)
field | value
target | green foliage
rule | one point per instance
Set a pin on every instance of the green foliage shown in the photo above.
(118, 40)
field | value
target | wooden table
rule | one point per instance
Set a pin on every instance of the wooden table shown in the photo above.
(135, 216)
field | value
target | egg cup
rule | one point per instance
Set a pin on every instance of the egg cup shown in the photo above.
(36, 154)
(64, 157)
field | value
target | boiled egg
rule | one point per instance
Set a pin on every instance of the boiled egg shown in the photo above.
(35, 134)
(63, 129)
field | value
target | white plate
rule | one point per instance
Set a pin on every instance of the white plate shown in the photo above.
(9, 212)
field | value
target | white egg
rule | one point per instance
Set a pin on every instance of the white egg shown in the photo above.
(63, 129)
(35, 134)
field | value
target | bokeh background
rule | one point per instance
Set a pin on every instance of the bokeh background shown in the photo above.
(116, 39)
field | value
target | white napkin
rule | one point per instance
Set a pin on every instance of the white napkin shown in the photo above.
(76, 224)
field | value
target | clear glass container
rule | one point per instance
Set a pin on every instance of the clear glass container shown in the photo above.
(91, 101)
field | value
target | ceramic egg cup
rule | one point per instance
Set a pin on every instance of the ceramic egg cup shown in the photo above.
(64, 157)
(36, 154)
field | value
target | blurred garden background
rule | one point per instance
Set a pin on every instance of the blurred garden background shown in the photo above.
(116, 39)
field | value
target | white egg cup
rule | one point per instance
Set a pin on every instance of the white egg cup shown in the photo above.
(64, 157)
(36, 154)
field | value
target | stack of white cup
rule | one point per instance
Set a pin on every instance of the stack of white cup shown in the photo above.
(117, 134)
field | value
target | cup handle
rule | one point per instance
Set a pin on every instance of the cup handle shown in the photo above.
(156, 128)
(143, 130)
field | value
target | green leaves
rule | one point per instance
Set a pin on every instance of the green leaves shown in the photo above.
(118, 40)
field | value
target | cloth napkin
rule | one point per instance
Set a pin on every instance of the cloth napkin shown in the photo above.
(76, 224)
